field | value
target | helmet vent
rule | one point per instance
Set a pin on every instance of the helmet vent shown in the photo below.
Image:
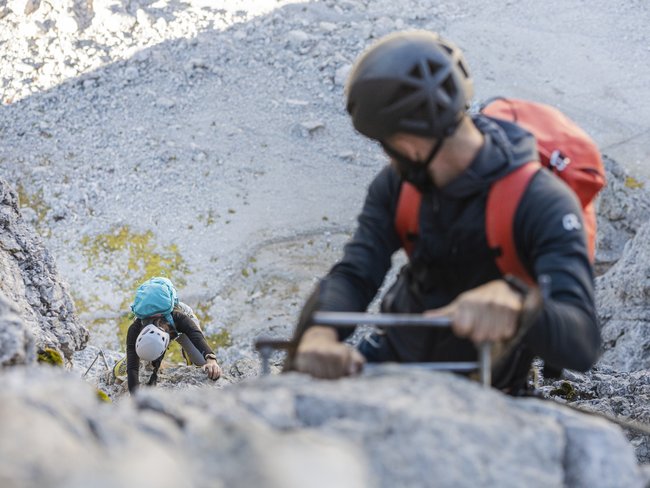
(433, 67)
(449, 87)
(463, 69)
(416, 72)
(446, 47)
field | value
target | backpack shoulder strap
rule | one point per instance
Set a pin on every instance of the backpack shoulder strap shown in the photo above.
(407, 215)
(502, 203)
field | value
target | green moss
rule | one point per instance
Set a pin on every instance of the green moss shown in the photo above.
(202, 311)
(633, 183)
(81, 306)
(219, 340)
(174, 354)
(123, 323)
(144, 259)
(85, 306)
(103, 396)
(50, 356)
(211, 218)
(36, 202)
(566, 391)
(215, 341)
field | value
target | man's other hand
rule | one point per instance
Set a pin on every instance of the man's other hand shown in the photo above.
(489, 312)
(321, 355)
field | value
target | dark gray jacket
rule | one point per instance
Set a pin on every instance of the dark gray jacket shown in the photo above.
(451, 255)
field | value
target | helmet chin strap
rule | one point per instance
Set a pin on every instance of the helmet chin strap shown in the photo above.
(415, 172)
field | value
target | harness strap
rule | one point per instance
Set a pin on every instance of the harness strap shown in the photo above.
(502, 203)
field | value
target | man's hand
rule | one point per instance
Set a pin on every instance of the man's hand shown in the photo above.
(213, 369)
(320, 354)
(489, 312)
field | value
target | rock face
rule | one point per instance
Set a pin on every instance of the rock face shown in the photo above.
(390, 429)
(16, 342)
(622, 295)
(28, 279)
(622, 395)
(623, 206)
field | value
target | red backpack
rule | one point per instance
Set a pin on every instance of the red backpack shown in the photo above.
(565, 149)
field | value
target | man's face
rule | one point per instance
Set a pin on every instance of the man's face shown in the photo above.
(410, 157)
(413, 147)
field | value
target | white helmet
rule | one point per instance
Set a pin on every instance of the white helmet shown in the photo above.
(151, 343)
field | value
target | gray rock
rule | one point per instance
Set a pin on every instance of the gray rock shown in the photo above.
(589, 455)
(131, 73)
(29, 280)
(16, 342)
(392, 428)
(341, 75)
(165, 102)
(621, 395)
(160, 438)
(622, 207)
(25, 7)
(622, 295)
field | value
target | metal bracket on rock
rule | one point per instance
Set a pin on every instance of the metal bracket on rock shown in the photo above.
(100, 353)
(266, 346)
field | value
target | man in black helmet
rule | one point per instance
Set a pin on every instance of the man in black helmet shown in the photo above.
(410, 92)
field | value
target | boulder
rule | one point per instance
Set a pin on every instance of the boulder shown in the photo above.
(389, 428)
(160, 438)
(29, 280)
(622, 207)
(622, 297)
(16, 342)
(625, 396)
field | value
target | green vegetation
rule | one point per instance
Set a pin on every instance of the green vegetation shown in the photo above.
(209, 219)
(215, 341)
(50, 356)
(219, 340)
(144, 260)
(246, 272)
(633, 183)
(103, 396)
(566, 391)
(36, 202)
(202, 312)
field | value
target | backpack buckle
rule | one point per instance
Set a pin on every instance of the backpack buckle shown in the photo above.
(559, 161)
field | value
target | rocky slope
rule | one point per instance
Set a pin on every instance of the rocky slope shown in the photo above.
(30, 282)
(208, 141)
(388, 429)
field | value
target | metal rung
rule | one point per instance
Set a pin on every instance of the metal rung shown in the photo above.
(459, 367)
(350, 319)
(265, 346)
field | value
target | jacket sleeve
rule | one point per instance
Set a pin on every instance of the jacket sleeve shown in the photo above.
(132, 359)
(185, 325)
(353, 282)
(552, 242)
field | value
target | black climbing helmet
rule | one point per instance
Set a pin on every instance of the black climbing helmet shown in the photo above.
(414, 82)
